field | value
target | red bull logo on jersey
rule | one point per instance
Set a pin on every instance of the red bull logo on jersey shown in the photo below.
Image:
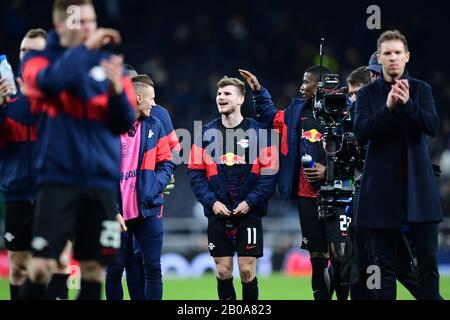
(312, 135)
(230, 159)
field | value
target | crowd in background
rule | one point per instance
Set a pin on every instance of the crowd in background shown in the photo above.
(186, 47)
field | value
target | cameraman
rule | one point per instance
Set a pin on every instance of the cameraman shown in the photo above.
(301, 134)
(395, 114)
(358, 236)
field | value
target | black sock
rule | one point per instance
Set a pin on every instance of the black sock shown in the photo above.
(342, 290)
(225, 289)
(250, 290)
(331, 279)
(15, 292)
(320, 279)
(90, 290)
(57, 287)
(33, 291)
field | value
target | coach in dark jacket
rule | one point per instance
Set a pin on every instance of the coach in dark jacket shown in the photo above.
(396, 114)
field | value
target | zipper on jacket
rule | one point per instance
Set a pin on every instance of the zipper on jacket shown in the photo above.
(86, 127)
(29, 147)
(291, 192)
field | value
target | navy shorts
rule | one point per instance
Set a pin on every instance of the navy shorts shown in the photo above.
(87, 215)
(18, 225)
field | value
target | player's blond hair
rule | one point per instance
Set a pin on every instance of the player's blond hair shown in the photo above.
(225, 81)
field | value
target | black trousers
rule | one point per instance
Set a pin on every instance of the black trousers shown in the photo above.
(360, 262)
(384, 252)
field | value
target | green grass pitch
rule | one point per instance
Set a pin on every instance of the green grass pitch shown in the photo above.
(275, 287)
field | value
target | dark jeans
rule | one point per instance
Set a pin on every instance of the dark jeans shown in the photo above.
(149, 234)
(129, 261)
(385, 252)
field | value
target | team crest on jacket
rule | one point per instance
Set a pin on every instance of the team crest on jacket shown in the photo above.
(243, 143)
(9, 237)
(150, 134)
(98, 74)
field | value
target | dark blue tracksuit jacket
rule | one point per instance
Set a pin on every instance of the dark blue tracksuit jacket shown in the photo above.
(80, 121)
(287, 123)
(17, 150)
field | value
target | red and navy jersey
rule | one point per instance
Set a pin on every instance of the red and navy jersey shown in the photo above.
(310, 134)
(17, 150)
(210, 176)
(155, 167)
(293, 143)
(234, 156)
(80, 121)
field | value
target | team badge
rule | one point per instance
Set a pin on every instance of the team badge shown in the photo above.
(9, 237)
(230, 159)
(39, 243)
(243, 143)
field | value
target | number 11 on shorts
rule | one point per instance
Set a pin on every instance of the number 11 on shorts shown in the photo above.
(251, 236)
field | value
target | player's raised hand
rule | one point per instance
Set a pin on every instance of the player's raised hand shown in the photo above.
(103, 37)
(251, 80)
(220, 209)
(114, 71)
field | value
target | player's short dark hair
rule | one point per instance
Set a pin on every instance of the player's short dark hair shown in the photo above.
(317, 69)
(391, 35)
(143, 79)
(226, 81)
(60, 8)
(37, 33)
(359, 76)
